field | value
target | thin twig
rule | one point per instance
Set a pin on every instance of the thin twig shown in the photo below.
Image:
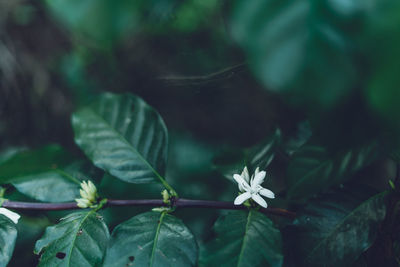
(178, 203)
(203, 79)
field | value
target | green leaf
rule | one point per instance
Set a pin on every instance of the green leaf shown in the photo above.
(54, 186)
(80, 239)
(294, 48)
(244, 239)
(31, 162)
(124, 136)
(260, 155)
(10, 152)
(46, 174)
(337, 227)
(152, 239)
(8, 235)
(313, 169)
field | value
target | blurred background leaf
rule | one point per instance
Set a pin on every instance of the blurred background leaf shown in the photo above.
(337, 227)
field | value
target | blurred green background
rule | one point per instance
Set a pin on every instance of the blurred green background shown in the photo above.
(223, 75)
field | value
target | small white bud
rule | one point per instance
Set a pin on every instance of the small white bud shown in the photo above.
(82, 203)
(88, 193)
(165, 196)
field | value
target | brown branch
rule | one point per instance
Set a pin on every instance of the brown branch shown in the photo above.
(177, 203)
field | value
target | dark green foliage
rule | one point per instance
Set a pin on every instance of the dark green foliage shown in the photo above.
(260, 155)
(261, 74)
(244, 239)
(335, 229)
(313, 168)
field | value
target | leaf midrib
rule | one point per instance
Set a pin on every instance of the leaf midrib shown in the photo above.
(156, 238)
(244, 238)
(76, 235)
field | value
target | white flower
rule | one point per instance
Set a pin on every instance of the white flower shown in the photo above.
(251, 187)
(88, 194)
(82, 203)
(11, 215)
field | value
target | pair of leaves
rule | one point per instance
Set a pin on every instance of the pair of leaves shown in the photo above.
(148, 239)
(124, 136)
(260, 155)
(45, 174)
(313, 169)
(336, 228)
(80, 239)
(244, 239)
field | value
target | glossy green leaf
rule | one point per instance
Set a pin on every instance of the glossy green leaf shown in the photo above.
(49, 186)
(80, 239)
(31, 162)
(8, 235)
(244, 239)
(57, 185)
(260, 155)
(337, 227)
(9, 153)
(152, 239)
(124, 136)
(48, 174)
(294, 48)
(313, 169)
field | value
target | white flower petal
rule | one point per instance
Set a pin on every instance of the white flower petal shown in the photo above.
(82, 203)
(92, 188)
(83, 193)
(245, 174)
(242, 198)
(243, 186)
(11, 215)
(239, 179)
(85, 186)
(258, 179)
(266, 193)
(259, 200)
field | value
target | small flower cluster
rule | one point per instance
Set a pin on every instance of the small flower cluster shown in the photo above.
(251, 187)
(89, 195)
